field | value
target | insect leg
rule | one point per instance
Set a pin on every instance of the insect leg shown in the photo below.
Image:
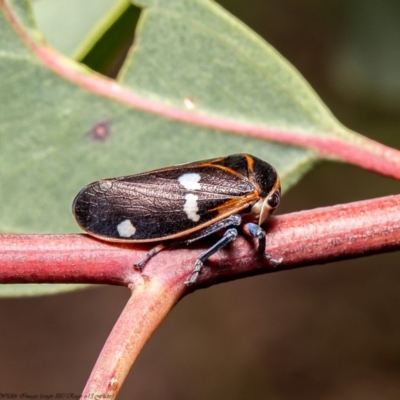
(257, 232)
(149, 255)
(229, 236)
(232, 220)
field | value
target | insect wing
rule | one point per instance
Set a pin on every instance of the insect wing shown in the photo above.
(163, 204)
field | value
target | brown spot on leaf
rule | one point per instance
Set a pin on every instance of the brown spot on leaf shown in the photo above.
(100, 131)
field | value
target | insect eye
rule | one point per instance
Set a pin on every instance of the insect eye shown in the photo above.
(274, 199)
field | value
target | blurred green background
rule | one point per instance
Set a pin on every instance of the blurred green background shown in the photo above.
(330, 332)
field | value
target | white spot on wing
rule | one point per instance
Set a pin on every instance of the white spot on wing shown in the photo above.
(126, 229)
(191, 208)
(190, 181)
(105, 185)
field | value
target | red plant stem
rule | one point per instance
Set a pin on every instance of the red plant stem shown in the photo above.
(63, 259)
(354, 149)
(302, 238)
(149, 304)
(316, 236)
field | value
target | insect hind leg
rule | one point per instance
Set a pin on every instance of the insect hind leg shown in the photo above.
(155, 250)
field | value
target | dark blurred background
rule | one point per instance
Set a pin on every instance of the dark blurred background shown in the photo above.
(323, 332)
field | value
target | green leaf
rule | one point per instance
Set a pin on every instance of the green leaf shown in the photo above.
(49, 150)
(66, 23)
(105, 49)
(196, 49)
(63, 126)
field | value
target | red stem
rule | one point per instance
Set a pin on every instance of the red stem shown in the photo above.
(149, 304)
(303, 238)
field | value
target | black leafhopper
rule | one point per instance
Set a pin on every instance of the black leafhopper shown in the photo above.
(183, 203)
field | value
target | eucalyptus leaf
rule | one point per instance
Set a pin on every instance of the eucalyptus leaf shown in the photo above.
(58, 135)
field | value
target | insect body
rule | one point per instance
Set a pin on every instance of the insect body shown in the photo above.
(183, 204)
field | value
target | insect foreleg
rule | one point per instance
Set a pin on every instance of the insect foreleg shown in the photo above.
(257, 232)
